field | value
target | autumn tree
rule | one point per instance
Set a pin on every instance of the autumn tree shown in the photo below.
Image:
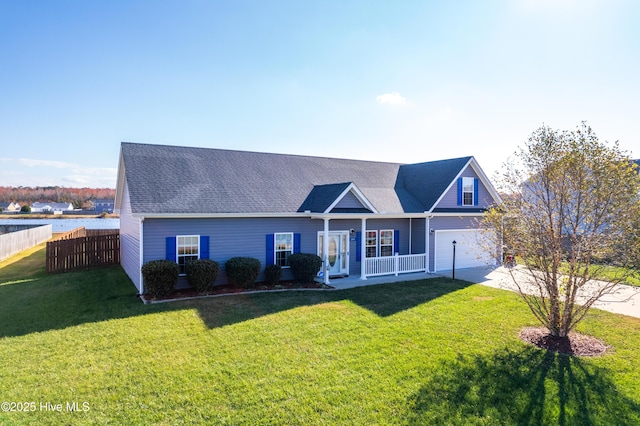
(571, 208)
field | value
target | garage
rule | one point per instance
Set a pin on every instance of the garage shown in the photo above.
(472, 249)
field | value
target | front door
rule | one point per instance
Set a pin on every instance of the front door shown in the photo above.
(337, 251)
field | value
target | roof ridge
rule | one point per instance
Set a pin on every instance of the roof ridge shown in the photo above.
(229, 150)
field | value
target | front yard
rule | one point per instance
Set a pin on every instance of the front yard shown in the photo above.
(424, 352)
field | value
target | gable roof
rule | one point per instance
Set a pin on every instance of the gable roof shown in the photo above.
(164, 179)
(326, 198)
(439, 174)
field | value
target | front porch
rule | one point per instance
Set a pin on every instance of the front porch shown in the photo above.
(368, 246)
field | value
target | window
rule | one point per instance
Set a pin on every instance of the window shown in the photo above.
(371, 244)
(386, 243)
(467, 191)
(188, 248)
(283, 248)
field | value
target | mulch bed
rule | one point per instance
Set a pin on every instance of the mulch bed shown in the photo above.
(190, 293)
(575, 344)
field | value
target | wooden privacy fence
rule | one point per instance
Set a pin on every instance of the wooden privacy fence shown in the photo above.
(94, 249)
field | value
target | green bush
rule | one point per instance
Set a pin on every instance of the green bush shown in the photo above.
(272, 274)
(242, 271)
(202, 273)
(160, 277)
(304, 267)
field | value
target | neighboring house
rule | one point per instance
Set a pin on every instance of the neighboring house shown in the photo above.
(363, 218)
(103, 205)
(9, 207)
(51, 207)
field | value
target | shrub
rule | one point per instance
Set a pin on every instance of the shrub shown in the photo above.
(242, 271)
(272, 274)
(160, 277)
(304, 266)
(202, 273)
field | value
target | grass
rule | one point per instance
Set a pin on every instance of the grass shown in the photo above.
(608, 273)
(425, 352)
(613, 272)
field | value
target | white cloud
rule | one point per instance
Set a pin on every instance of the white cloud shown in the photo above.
(30, 162)
(393, 99)
(48, 172)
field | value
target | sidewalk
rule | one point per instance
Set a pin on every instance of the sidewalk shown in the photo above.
(624, 300)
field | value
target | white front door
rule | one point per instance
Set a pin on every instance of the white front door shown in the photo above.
(337, 251)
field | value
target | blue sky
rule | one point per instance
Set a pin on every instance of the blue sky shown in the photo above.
(402, 81)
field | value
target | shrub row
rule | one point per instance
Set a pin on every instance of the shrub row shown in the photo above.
(161, 276)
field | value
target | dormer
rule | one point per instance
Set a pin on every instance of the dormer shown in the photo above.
(343, 197)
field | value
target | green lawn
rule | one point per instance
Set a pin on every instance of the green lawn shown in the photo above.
(612, 272)
(425, 352)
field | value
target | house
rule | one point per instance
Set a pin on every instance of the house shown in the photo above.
(363, 218)
(55, 208)
(103, 205)
(9, 207)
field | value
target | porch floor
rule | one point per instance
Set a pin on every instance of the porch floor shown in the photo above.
(341, 283)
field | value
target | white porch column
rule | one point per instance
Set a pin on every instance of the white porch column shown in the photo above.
(427, 233)
(363, 250)
(325, 250)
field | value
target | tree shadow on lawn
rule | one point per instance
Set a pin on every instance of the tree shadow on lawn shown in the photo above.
(528, 387)
(33, 301)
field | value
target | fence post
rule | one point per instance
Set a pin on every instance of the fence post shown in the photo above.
(395, 263)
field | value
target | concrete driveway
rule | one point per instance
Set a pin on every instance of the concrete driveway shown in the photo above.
(625, 300)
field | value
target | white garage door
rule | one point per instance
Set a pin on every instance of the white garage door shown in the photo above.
(473, 249)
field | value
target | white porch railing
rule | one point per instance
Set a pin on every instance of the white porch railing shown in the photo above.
(394, 265)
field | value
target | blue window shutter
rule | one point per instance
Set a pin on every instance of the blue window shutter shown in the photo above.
(171, 249)
(296, 243)
(271, 252)
(358, 246)
(460, 191)
(475, 192)
(204, 247)
(396, 241)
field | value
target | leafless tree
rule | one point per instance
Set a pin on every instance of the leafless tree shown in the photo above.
(571, 208)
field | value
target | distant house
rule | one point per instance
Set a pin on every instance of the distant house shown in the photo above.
(103, 205)
(9, 207)
(51, 207)
(362, 218)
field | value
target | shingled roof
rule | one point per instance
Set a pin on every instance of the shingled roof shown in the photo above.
(172, 179)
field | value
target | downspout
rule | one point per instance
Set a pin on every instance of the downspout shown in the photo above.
(427, 236)
(363, 251)
(141, 253)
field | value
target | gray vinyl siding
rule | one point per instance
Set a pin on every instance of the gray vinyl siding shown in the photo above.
(129, 240)
(450, 200)
(349, 201)
(231, 237)
(417, 236)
